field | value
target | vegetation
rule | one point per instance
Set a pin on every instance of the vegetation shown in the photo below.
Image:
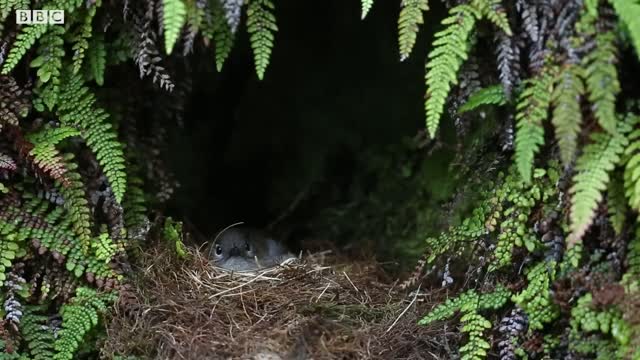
(549, 240)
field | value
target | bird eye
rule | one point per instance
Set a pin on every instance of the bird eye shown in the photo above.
(218, 250)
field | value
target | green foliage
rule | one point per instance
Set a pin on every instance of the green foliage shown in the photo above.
(25, 40)
(97, 59)
(494, 12)
(174, 15)
(45, 154)
(8, 6)
(36, 331)
(450, 49)
(585, 319)
(409, 23)
(632, 167)
(629, 12)
(78, 317)
(366, 6)
(490, 95)
(592, 176)
(77, 206)
(536, 299)
(78, 109)
(172, 233)
(532, 108)
(602, 80)
(82, 38)
(261, 25)
(616, 204)
(11, 247)
(567, 116)
(470, 303)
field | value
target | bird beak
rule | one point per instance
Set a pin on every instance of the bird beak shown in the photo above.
(234, 251)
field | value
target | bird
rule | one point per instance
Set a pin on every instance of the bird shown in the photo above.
(246, 249)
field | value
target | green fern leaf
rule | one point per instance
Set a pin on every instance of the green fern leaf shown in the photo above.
(408, 24)
(632, 167)
(366, 6)
(25, 40)
(592, 176)
(174, 16)
(616, 203)
(83, 36)
(451, 48)
(567, 116)
(629, 12)
(97, 59)
(261, 25)
(78, 109)
(493, 10)
(491, 95)
(532, 108)
(602, 80)
(222, 35)
(46, 156)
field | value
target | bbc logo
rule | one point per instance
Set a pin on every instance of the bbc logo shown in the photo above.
(40, 17)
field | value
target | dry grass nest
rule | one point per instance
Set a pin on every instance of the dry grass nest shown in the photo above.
(317, 307)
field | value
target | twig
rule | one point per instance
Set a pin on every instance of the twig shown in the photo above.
(405, 310)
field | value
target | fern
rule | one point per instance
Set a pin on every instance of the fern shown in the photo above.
(45, 154)
(37, 333)
(410, 19)
(535, 299)
(493, 10)
(632, 167)
(616, 204)
(25, 40)
(629, 12)
(532, 108)
(491, 95)
(174, 16)
(77, 206)
(366, 6)
(97, 58)
(451, 48)
(470, 304)
(592, 176)
(78, 318)
(222, 35)
(602, 80)
(261, 25)
(49, 64)
(567, 116)
(82, 38)
(77, 108)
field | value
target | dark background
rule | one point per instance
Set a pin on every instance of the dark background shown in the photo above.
(334, 87)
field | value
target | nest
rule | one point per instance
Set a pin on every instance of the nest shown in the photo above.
(316, 308)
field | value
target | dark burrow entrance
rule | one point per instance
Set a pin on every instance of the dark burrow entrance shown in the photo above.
(283, 149)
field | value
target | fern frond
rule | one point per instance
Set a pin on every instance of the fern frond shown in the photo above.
(76, 204)
(221, 33)
(629, 12)
(451, 48)
(82, 38)
(78, 318)
(174, 16)
(491, 95)
(632, 168)
(49, 65)
(536, 298)
(261, 25)
(532, 108)
(37, 333)
(616, 203)
(567, 116)
(592, 176)
(409, 22)
(495, 12)
(25, 40)
(602, 80)
(97, 59)
(366, 6)
(78, 109)
(46, 156)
